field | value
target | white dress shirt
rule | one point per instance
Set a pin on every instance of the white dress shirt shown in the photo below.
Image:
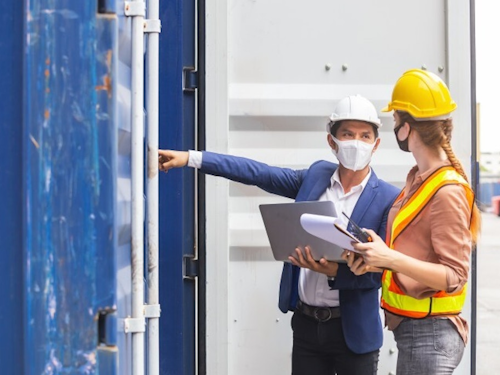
(313, 286)
(195, 159)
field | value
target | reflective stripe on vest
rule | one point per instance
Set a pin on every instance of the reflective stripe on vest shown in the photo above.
(441, 303)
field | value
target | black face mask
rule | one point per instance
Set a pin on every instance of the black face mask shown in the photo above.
(403, 145)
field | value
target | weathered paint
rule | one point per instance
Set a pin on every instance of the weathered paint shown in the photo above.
(69, 169)
(107, 129)
(11, 271)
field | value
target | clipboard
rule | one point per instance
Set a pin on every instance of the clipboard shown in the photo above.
(329, 229)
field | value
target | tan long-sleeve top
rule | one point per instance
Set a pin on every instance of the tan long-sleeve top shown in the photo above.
(439, 234)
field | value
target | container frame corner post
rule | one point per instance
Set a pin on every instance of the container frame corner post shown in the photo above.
(11, 181)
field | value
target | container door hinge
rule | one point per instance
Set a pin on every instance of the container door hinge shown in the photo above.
(106, 327)
(190, 79)
(190, 267)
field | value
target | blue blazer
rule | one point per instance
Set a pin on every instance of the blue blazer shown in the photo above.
(359, 299)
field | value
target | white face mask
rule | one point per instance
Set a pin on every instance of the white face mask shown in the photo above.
(354, 155)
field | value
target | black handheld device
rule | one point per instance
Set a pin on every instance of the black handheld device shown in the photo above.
(362, 235)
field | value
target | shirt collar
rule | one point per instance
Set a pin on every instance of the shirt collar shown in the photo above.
(415, 176)
(361, 186)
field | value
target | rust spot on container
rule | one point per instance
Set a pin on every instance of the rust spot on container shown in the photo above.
(109, 55)
(46, 114)
(106, 86)
(47, 73)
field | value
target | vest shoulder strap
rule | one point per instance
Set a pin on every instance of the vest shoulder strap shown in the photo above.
(409, 211)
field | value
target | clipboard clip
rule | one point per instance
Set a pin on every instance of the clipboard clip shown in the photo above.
(360, 234)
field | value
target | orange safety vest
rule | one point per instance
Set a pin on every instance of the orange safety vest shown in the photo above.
(441, 303)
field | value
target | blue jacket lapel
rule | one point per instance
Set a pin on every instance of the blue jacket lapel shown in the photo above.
(318, 180)
(319, 188)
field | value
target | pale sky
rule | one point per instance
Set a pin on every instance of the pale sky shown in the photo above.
(488, 72)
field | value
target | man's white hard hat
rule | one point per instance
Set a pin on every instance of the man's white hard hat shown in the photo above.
(354, 107)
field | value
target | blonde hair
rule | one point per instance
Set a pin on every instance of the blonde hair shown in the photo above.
(438, 134)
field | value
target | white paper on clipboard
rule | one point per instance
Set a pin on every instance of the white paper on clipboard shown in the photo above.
(324, 228)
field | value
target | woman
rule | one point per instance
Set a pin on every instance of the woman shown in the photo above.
(430, 231)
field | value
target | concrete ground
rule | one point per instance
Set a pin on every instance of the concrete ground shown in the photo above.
(488, 297)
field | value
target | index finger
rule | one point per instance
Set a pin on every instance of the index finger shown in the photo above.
(164, 155)
(308, 254)
(300, 256)
(164, 152)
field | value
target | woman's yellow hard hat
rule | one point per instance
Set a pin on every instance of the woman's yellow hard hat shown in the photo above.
(423, 95)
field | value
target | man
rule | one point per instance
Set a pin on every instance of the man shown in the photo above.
(336, 322)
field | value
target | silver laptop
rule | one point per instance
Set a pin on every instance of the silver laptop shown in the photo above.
(285, 233)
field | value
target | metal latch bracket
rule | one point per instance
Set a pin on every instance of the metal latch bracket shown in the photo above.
(152, 26)
(134, 325)
(152, 311)
(135, 8)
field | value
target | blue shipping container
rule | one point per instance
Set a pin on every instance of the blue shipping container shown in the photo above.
(65, 184)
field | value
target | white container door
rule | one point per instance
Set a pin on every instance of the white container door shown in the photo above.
(275, 71)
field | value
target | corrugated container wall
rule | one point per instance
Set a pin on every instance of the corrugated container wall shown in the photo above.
(274, 73)
(70, 173)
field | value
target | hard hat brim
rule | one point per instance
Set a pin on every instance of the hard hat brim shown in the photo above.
(374, 123)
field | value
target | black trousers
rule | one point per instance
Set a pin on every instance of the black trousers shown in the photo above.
(320, 349)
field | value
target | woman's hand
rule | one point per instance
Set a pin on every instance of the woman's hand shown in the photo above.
(376, 253)
(306, 260)
(168, 159)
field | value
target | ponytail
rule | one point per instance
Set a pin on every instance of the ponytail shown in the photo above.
(475, 222)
